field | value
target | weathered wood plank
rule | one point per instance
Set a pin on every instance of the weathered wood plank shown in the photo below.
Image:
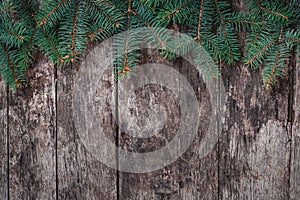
(188, 177)
(80, 173)
(3, 142)
(295, 142)
(32, 136)
(254, 148)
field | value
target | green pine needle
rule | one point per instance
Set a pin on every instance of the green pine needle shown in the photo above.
(62, 29)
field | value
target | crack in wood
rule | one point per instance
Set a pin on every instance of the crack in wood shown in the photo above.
(7, 139)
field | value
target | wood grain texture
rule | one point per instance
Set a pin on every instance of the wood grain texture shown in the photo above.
(3, 142)
(50, 121)
(188, 177)
(254, 148)
(295, 142)
(32, 136)
(80, 174)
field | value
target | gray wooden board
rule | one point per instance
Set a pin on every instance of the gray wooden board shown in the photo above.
(295, 153)
(32, 136)
(254, 144)
(54, 150)
(188, 177)
(81, 175)
(3, 142)
(254, 148)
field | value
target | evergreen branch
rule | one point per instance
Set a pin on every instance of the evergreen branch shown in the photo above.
(127, 38)
(260, 51)
(181, 44)
(11, 66)
(21, 37)
(272, 76)
(292, 39)
(241, 21)
(73, 33)
(28, 7)
(129, 9)
(177, 9)
(13, 34)
(44, 20)
(257, 35)
(215, 47)
(156, 3)
(224, 32)
(6, 8)
(90, 35)
(271, 26)
(209, 64)
(200, 20)
(121, 71)
(53, 46)
(290, 4)
(148, 6)
(30, 43)
(164, 46)
(110, 18)
(270, 11)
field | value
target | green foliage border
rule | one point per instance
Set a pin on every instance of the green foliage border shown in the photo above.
(62, 29)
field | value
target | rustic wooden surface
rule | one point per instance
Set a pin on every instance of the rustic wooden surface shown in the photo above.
(80, 174)
(32, 136)
(254, 145)
(189, 177)
(3, 142)
(257, 157)
(295, 139)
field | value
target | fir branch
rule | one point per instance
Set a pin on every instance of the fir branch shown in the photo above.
(270, 11)
(156, 3)
(29, 9)
(147, 5)
(11, 65)
(210, 70)
(29, 45)
(180, 44)
(272, 75)
(91, 35)
(292, 39)
(110, 18)
(260, 51)
(214, 46)
(58, 57)
(73, 33)
(228, 46)
(44, 20)
(30, 41)
(21, 37)
(127, 37)
(7, 8)
(199, 21)
(240, 21)
(122, 70)
(257, 35)
(177, 9)
(212, 25)
(163, 44)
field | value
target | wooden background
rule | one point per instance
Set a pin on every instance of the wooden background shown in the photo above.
(257, 155)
